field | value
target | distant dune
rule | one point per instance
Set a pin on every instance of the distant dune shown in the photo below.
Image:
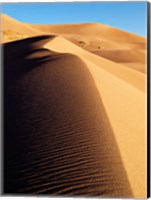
(114, 44)
(110, 42)
(75, 116)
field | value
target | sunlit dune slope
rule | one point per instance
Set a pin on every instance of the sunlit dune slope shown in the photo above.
(132, 56)
(14, 30)
(93, 29)
(106, 41)
(58, 137)
(132, 77)
(113, 44)
(125, 106)
(113, 62)
(95, 36)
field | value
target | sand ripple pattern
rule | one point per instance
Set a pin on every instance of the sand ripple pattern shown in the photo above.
(57, 137)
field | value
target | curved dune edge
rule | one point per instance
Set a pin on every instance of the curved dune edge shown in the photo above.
(94, 37)
(89, 29)
(135, 78)
(111, 43)
(58, 139)
(13, 29)
(126, 110)
(125, 106)
(122, 90)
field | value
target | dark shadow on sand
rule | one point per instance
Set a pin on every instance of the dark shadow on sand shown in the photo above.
(57, 136)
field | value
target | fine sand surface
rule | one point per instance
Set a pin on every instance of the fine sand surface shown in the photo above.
(65, 140)
(75, 110)
(14, 30)
(125, 106)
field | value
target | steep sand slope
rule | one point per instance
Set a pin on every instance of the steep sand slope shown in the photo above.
(121, 88)
(125, 106)
(117, 51)
(126, 110)
(132, 77)
(58, 138)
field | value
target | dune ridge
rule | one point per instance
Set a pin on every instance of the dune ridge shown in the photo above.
(134, 78)
(119, 115)
(61, 149)
(13, 29)
(102, 38)
(98, 38)
(96, 29)
(117, 107)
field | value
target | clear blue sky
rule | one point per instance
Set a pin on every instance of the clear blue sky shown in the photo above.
(128, 16)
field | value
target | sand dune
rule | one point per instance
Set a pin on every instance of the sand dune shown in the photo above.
(51, 146)
(137, 66)
(77, 110)
(125, 108)
(116, 95)
(132, 56)
(13, 30)
(88, 29)
(132, 77)
(101, 39)
(107, 40)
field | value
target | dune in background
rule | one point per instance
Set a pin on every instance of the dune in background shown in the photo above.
(75, 115)
(108, 42)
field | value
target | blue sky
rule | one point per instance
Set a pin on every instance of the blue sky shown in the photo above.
(128, 16)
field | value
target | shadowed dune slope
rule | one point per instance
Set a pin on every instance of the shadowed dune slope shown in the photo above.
(58, 139)
(132, 77)
(94, 36)
(124, 102)
(112, 43)
(41, 76)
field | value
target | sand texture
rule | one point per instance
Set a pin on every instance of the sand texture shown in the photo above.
(74, 110)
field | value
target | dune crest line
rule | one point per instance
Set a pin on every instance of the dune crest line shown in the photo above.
(58, 139)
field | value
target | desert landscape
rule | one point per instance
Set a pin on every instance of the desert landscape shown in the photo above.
(74, 110)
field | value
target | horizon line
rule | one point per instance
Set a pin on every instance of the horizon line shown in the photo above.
(78, 23)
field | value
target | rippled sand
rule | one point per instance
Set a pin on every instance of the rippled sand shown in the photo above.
(58, 139)
(74, 110)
